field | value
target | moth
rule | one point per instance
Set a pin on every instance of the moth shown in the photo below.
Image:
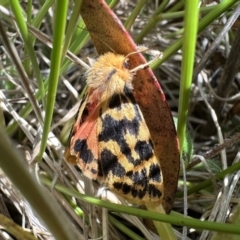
(110, 139)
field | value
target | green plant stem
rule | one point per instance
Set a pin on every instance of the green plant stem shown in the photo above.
(14, 229)
(220, 176)
(128, 24)
(164, 230)
(180, 221)
(56, 59)
(17, 10)
(36, 22)
(71, 26)
(152, 21)
(123, 228)
(189, 45)
(178, 5)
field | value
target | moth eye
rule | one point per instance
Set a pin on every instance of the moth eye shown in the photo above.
(126, 64)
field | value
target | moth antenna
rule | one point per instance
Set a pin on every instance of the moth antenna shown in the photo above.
(140, 50)
(157, 54)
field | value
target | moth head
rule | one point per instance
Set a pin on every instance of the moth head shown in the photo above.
(110, 74)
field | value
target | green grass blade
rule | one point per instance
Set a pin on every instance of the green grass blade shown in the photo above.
(189, 45)
(71, 25)
(56, 57)
(131, 19)
(40, 199)
(42, 13)
(152, 21)
(124, 229)
(172, 219)
(17, 10)
(219, 176)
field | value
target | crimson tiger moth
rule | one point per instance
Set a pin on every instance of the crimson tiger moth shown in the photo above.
(110, 139)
